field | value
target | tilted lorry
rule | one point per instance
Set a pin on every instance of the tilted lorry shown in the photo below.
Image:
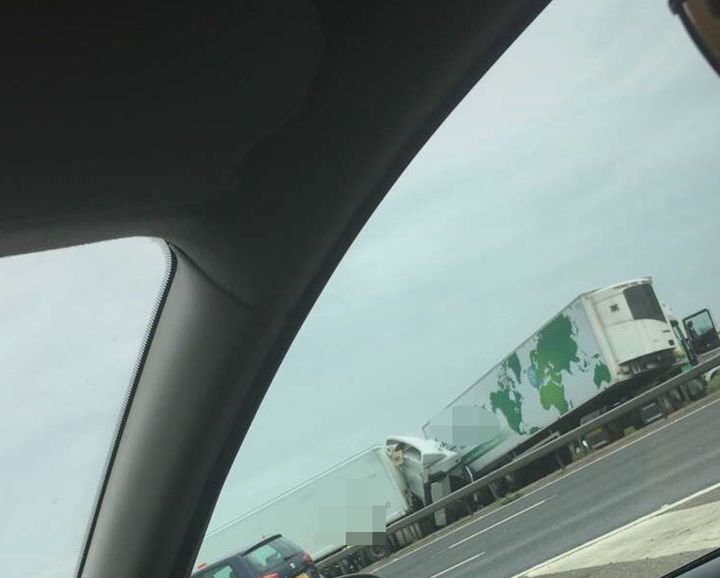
(606, 346)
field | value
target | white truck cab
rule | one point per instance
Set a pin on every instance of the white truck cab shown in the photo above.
(425, 465)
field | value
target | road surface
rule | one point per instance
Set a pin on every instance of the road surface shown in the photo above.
(667, 464)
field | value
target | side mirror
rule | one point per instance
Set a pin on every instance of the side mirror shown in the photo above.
(701, 18)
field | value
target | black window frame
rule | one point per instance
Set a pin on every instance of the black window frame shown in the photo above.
(643, 303)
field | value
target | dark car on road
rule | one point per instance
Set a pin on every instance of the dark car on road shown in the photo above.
(273, 557)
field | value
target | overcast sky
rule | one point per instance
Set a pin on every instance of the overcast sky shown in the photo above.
(585, 157)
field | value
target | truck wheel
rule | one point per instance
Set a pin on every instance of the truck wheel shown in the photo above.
(458, 510)
(512, 481)
(696, 389)
(676, 398)
(565, 455)
(484, 497)
(503, 485)
(666, 403)
(427, 526)
(616, 430)
(348, 566)
(374, 553)
(636, 420)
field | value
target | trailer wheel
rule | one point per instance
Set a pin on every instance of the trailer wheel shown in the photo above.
(330, 571)
(458, 510)
(425, 527)
(348, 566)
(635, 420)
(565, 455)
(697, 388)
(484, 497)
(372, 554)
(676, 398)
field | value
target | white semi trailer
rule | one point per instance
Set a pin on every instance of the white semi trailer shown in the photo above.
(602, 348)
(349, 504)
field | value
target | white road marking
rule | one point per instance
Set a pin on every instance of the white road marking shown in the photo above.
(456, 565)
(659, 511)
(548, 484)
(694, 529)
(403, 556)
(496, 524)
(445, 535)
(479, 518)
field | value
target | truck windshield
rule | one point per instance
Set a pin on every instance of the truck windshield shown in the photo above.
(701, 324)
(643, 303)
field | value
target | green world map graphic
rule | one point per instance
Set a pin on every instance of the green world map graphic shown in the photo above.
(556, 354)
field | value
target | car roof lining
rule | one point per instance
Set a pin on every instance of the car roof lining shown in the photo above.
(354, 105)
(258, 212)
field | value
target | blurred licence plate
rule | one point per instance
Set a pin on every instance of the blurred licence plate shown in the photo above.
(303, 575)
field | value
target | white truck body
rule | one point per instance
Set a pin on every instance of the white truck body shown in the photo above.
(601, 338)
(342, 506)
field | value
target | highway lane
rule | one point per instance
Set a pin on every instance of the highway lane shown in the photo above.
(674, 461)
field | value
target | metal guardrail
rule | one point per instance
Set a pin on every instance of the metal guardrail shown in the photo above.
(537, 453)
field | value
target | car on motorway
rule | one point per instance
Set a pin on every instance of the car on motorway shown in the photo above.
(180, 187)
(273, 557)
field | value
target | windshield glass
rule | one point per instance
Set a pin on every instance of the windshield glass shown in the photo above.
(74, 323)
(700, 324)
(503, 299)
